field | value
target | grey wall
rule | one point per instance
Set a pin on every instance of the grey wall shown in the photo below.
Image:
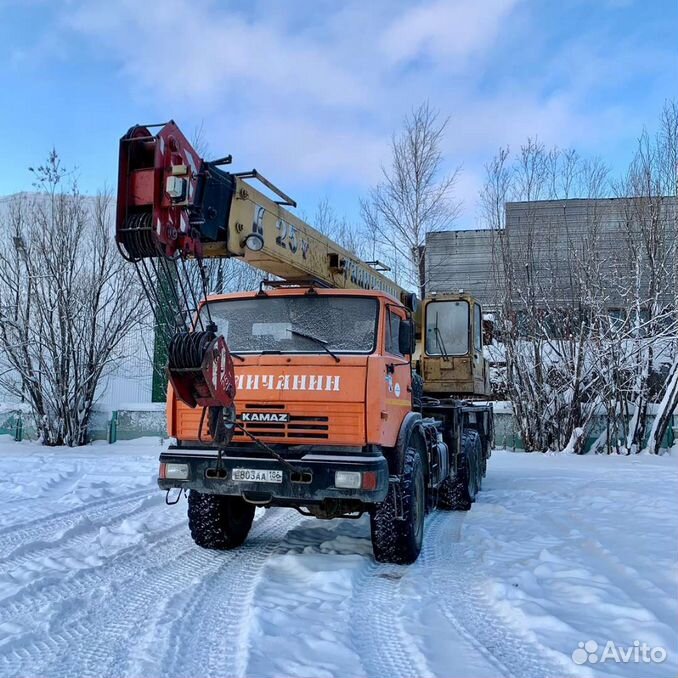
(458, 260)
(551, 233)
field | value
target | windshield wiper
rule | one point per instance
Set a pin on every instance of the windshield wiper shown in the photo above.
(237, 355)
(321, 342)
(439, 340)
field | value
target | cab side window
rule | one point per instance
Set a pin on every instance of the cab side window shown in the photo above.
(478, 327)
(392, 332)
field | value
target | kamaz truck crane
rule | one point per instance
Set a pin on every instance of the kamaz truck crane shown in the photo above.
(330, 389)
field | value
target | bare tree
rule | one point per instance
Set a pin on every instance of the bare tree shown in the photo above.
(651, 223)
(414, 197)
(588, 310)
(350, 236)
(549, 291)
(67, 301)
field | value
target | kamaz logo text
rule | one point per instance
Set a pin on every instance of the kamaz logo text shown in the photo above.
(266, 416)
(286, 382)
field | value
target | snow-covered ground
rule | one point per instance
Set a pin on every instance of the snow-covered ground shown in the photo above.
(99, 578)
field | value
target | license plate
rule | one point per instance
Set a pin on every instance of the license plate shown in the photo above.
(253, 475)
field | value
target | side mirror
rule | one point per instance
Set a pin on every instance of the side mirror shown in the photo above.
(406, 337)
(488, 332)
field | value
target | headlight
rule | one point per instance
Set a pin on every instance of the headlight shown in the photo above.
(349, 480)
(174, 471)
(254, 242)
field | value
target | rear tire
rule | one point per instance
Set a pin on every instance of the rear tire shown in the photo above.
(218, 522)
(399, 541)
(458, 492)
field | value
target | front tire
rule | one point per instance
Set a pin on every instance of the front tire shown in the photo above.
(399, 541)
(218, 522)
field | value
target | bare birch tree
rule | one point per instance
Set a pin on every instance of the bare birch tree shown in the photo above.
(415, 196)
(67, 301)
(652, 230)
(350, 236)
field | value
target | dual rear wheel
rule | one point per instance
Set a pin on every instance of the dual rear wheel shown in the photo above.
(459, 490)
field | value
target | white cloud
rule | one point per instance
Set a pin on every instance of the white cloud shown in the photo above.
(310, 92)
(445, 30)
(181, 48)
(317, 151)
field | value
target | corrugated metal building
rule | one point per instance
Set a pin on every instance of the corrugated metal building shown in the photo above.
(547, 238)
(457, 260)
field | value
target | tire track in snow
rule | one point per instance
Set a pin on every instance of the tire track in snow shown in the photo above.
(459, 589)
(64, 482)
(645, 595)
(41, 529)
(117, 615)
(210, 637)
(79, 535)
(47, 647)
(384, 647)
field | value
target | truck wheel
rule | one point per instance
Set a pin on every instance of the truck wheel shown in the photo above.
(458, 492)
(218, 522)
(399, 541)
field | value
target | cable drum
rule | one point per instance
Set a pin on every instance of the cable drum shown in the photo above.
(136, 237)
(187, 349)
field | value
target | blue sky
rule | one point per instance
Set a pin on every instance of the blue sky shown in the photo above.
(309, 92)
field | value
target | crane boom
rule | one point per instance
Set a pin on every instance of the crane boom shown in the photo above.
(291, 248)
(170, 201)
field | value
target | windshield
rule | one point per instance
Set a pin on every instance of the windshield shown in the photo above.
(447, 328)
(278, 324)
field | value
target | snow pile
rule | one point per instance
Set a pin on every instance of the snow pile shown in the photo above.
(100, 578)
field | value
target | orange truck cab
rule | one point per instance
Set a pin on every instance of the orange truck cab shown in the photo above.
(323, 376)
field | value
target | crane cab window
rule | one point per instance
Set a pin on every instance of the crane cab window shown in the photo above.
(477, 327)
(447, 328)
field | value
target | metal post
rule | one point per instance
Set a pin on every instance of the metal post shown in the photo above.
(19, 429)
(113, 428)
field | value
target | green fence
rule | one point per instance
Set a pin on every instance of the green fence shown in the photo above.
(12, 423)
(507, 433)
(125, 423)
(136, 421)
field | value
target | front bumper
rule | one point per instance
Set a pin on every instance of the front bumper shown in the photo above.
(314, 483)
